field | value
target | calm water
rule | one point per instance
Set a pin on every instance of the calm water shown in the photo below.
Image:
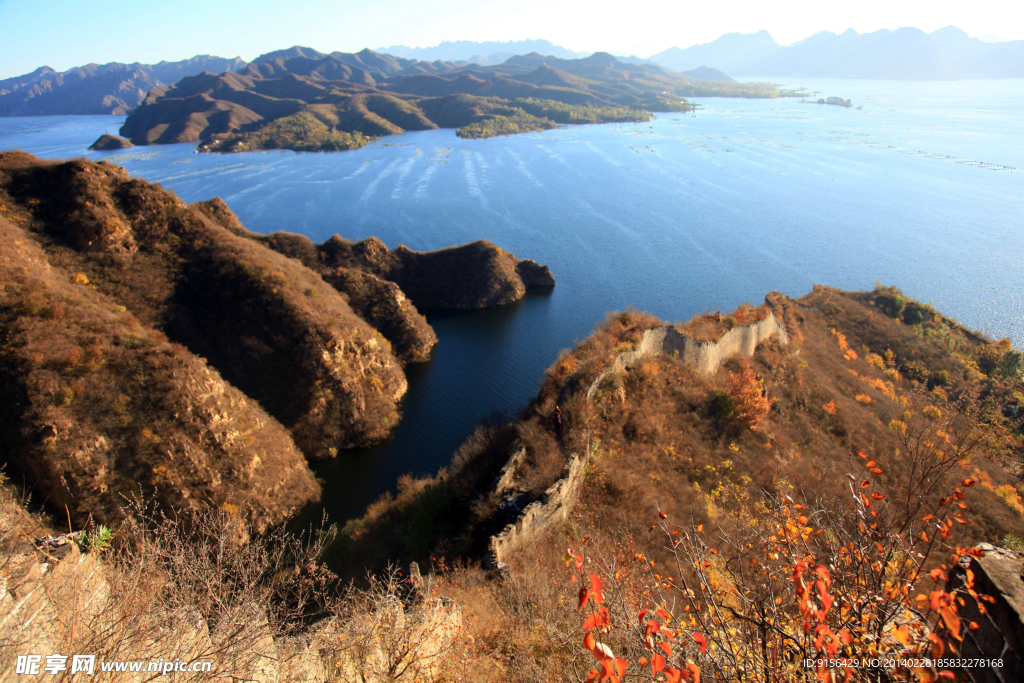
(922, 188)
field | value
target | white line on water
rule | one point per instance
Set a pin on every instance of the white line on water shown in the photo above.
(470, 173)
(521, 165)
(402, 173)
(365, 165)
(421, 186)
(601, 153)
(372, 187)
(484, 168)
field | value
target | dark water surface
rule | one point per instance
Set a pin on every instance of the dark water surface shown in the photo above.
(922, 188)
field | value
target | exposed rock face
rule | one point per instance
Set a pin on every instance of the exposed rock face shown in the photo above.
(97, 406)
(1000, 633)
(107, 142)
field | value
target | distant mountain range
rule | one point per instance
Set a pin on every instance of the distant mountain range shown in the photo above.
(112, 88)
(908, 53)
(486, 53)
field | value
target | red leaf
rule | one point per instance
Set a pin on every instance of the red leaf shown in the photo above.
(593, 676)
(666, 648)
(657, 663)
(662, 514)
(870, 463)
(591, 623)
(952, 622)
(662, 613)
(673, 675)
(584, 595)
(875, 470)
(702, 641)
(694, 672)
(640, 617)
(620, 666)
(588, 641)
(595, 585)
(967, 482)
(861, 454)
(877, 496)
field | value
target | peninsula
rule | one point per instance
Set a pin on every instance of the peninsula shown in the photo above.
(303, 100)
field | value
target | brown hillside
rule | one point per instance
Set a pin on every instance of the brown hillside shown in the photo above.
(657, 434)
(269, 325)
(99, 408)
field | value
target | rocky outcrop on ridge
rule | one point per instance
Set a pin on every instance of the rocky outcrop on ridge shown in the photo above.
(489, 275)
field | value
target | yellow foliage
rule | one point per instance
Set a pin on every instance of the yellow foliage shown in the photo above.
(1009, 494)
(863, 398)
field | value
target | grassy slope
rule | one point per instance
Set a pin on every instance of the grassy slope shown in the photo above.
(659, 438)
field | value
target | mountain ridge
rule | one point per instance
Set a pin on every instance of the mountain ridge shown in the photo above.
(310, 101)
(907, 53)
(112, 88)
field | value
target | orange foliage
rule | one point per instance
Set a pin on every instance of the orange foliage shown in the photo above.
(752, 404)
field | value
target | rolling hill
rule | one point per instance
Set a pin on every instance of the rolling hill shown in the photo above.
(303, 99)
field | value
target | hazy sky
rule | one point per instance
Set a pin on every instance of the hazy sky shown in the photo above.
(66, 33)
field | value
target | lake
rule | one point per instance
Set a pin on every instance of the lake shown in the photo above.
(922, 188)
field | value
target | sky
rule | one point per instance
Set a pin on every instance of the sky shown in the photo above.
(66, 33)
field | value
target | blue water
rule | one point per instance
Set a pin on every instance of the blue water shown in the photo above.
(922, 188)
